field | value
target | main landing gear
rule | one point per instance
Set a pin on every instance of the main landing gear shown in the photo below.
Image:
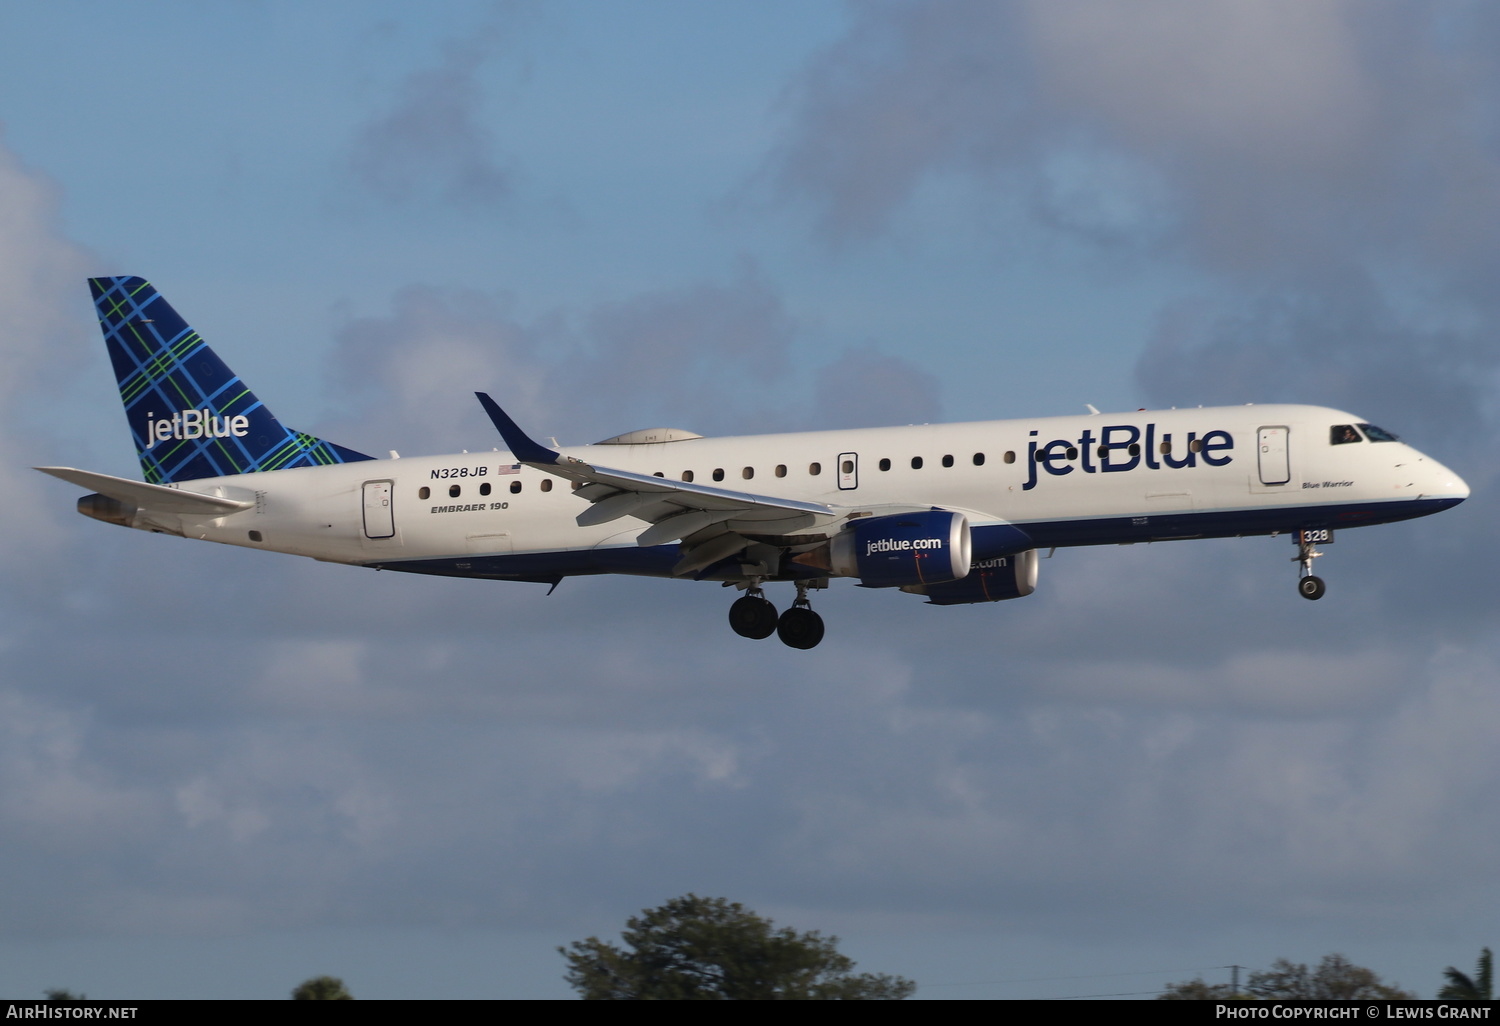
(753, 616)
(1308, 586)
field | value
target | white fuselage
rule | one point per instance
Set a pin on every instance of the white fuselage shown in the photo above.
(1165, 474)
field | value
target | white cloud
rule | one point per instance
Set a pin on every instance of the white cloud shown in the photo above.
(432, 142)
(41, 279)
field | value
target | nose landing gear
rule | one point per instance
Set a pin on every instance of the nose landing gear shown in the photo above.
(1308, 585)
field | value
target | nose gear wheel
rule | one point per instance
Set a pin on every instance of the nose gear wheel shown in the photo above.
(1308, 586)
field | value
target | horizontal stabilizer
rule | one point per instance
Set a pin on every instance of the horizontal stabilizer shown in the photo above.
(156, 498)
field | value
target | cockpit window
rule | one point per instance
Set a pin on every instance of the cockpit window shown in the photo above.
(1378, 434)
(1343, 434)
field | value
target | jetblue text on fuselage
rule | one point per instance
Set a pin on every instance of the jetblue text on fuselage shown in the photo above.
(187, 424)
(1121, 447)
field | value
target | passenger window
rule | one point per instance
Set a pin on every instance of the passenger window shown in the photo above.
(747, 473)
(718, 473)
(687, 475)
(484, 489)
(453, 491)
(885, 464)
(1378, 434)
(545, 486)
(916, 463)
(1135, 448)
(1010, 456)
(947, 461)
(979, 459)
(658, 474)
(515, 487)
(424, 492)
(781, 470)
(815, 469)
(1072, 452)
(1196, 445)
(846, 467)
(1166, 448)
(1103, 451)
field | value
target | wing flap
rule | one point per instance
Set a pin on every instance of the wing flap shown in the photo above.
(709, 552)
(613, 507)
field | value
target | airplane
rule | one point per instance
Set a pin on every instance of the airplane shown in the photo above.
(957, 513)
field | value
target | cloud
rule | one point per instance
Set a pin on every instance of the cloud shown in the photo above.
(416, 369)
(1264, 139)
(41, 275)
(1343, 347)
(864, 387)
(715, 357)
(910, 89)
(1278, 81)
(716, 353)
(433, 143)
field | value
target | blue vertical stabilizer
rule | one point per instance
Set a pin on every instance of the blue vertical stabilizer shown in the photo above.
(191, 416)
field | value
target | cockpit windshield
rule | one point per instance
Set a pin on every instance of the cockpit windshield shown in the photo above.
(1343, 434)
(1378, 434)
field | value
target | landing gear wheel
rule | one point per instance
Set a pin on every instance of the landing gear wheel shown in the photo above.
(1309, 586)
(753, 617)
(800, 627)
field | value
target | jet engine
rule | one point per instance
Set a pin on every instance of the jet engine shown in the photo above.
(989, 580)
(907, 549)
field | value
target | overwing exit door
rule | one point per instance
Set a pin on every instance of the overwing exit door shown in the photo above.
(848, 471)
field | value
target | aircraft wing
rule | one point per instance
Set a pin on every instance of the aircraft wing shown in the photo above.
(676, 510)
(157, 498)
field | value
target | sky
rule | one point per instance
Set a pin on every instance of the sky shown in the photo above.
(222, 773)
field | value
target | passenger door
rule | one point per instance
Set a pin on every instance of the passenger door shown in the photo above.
(380, 521)
(1275, 460)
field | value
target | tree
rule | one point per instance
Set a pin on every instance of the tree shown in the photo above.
(696, 948)
(322, 988)
(1478, 988)
(64, 994)
(1335, 979)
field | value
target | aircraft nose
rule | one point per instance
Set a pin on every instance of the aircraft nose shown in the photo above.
(1443, 483)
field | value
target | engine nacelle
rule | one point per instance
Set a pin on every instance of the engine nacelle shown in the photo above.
(989, 580)
(907, 549)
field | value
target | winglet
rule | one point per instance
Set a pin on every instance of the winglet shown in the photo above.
(521, 445)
